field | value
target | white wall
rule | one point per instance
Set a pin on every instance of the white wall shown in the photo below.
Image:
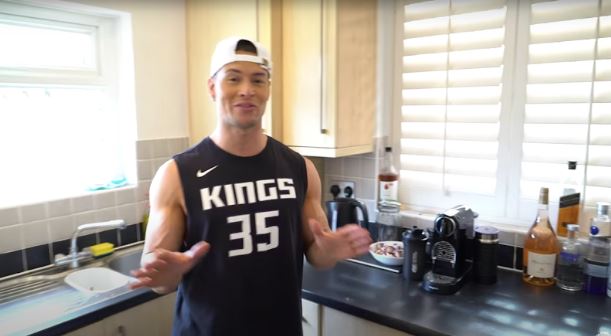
(160, 59)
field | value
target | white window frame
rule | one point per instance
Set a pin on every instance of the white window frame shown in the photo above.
(114, 68)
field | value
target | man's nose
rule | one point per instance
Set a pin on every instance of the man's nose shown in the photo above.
(247, 89)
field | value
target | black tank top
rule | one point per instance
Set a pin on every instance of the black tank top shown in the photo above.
(249, 210)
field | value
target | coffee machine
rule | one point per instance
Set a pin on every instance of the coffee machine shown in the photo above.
(448, 245)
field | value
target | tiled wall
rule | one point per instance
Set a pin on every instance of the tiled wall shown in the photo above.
(361, 169)
(31, 235)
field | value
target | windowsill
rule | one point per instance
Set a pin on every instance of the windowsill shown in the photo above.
(424, 219)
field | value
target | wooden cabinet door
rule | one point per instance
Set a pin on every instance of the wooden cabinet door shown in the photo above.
(336, 323)
(329, 76)
(95, 329)
(303, 115)
(139, 320)
(310, 321)
(208, 22)
(165, 305)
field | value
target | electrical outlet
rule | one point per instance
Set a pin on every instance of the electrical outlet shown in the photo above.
(343, 186)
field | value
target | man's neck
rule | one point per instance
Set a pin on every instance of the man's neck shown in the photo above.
(240, 142)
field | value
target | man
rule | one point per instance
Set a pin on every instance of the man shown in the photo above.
(232, 217)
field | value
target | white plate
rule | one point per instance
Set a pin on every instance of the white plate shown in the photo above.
(385, 258)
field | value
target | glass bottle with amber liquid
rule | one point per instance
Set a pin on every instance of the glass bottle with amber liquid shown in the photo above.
(541, 247)
(388, 179)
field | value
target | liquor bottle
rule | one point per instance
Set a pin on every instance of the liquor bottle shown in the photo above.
(596, 264)
(569, 203)
(388, 179)
(569, 270)
(609, 283)
(601, 223)
(540, 247)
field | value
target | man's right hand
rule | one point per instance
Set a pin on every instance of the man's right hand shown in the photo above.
(162, 269)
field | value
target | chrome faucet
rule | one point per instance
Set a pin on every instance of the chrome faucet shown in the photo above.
(74, 256)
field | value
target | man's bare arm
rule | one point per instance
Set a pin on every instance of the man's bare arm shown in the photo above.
(162, 266)
(324, 247)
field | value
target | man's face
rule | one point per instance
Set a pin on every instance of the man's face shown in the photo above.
(240, 91)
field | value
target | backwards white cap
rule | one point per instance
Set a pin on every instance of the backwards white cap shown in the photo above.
(225, 53)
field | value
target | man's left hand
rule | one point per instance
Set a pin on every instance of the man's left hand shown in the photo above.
(347, 241)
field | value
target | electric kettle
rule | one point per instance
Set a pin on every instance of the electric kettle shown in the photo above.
(341, 211)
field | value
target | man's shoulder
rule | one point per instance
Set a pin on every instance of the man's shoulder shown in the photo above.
(286, 149)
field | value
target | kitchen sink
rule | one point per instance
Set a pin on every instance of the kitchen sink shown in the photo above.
(50, 278)
(125, 261)
(49, 294)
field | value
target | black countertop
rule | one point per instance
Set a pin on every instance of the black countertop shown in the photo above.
(509, 307)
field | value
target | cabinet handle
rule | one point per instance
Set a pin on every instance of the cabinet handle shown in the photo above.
(323, 129)
(121, 331)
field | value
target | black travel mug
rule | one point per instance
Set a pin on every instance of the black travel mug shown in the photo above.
(414, 253)
(485, 254)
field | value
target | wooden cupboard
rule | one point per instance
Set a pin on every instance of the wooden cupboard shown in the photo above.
(209, 21)
(337, 323)
(152, 318)
(310, 321)
(324, 68)
(329, 76)
(319, 320)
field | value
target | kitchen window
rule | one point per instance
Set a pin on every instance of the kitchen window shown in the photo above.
(496, 96)
(67, 118)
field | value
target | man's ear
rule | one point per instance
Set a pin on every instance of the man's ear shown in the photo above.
(211, 90)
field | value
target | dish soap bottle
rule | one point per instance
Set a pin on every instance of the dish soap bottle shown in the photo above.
(540, 247)
(388, 179)
(569, 273)
(569, 202)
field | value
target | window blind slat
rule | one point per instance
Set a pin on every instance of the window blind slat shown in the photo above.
(471, 59)
(417, 10)
(579, 29)
(579, 71)
(490, 38)
(563, 10)
(455, 113)
(579, 50)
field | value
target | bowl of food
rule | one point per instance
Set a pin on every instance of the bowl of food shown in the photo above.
(387, 252)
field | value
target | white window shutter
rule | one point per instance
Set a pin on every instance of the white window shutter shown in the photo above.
(452, 75)
(568, 98)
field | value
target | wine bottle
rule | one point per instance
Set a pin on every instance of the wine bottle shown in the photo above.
(541, 247)
(388, 179)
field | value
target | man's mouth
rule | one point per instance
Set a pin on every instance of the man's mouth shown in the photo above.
(245, 105)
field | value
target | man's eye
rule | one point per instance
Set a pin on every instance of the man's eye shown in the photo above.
(259, 81)
(232, 79)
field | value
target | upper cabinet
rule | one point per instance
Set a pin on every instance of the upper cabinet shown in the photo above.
(323, 94)
(329, 76)
(209, 21)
